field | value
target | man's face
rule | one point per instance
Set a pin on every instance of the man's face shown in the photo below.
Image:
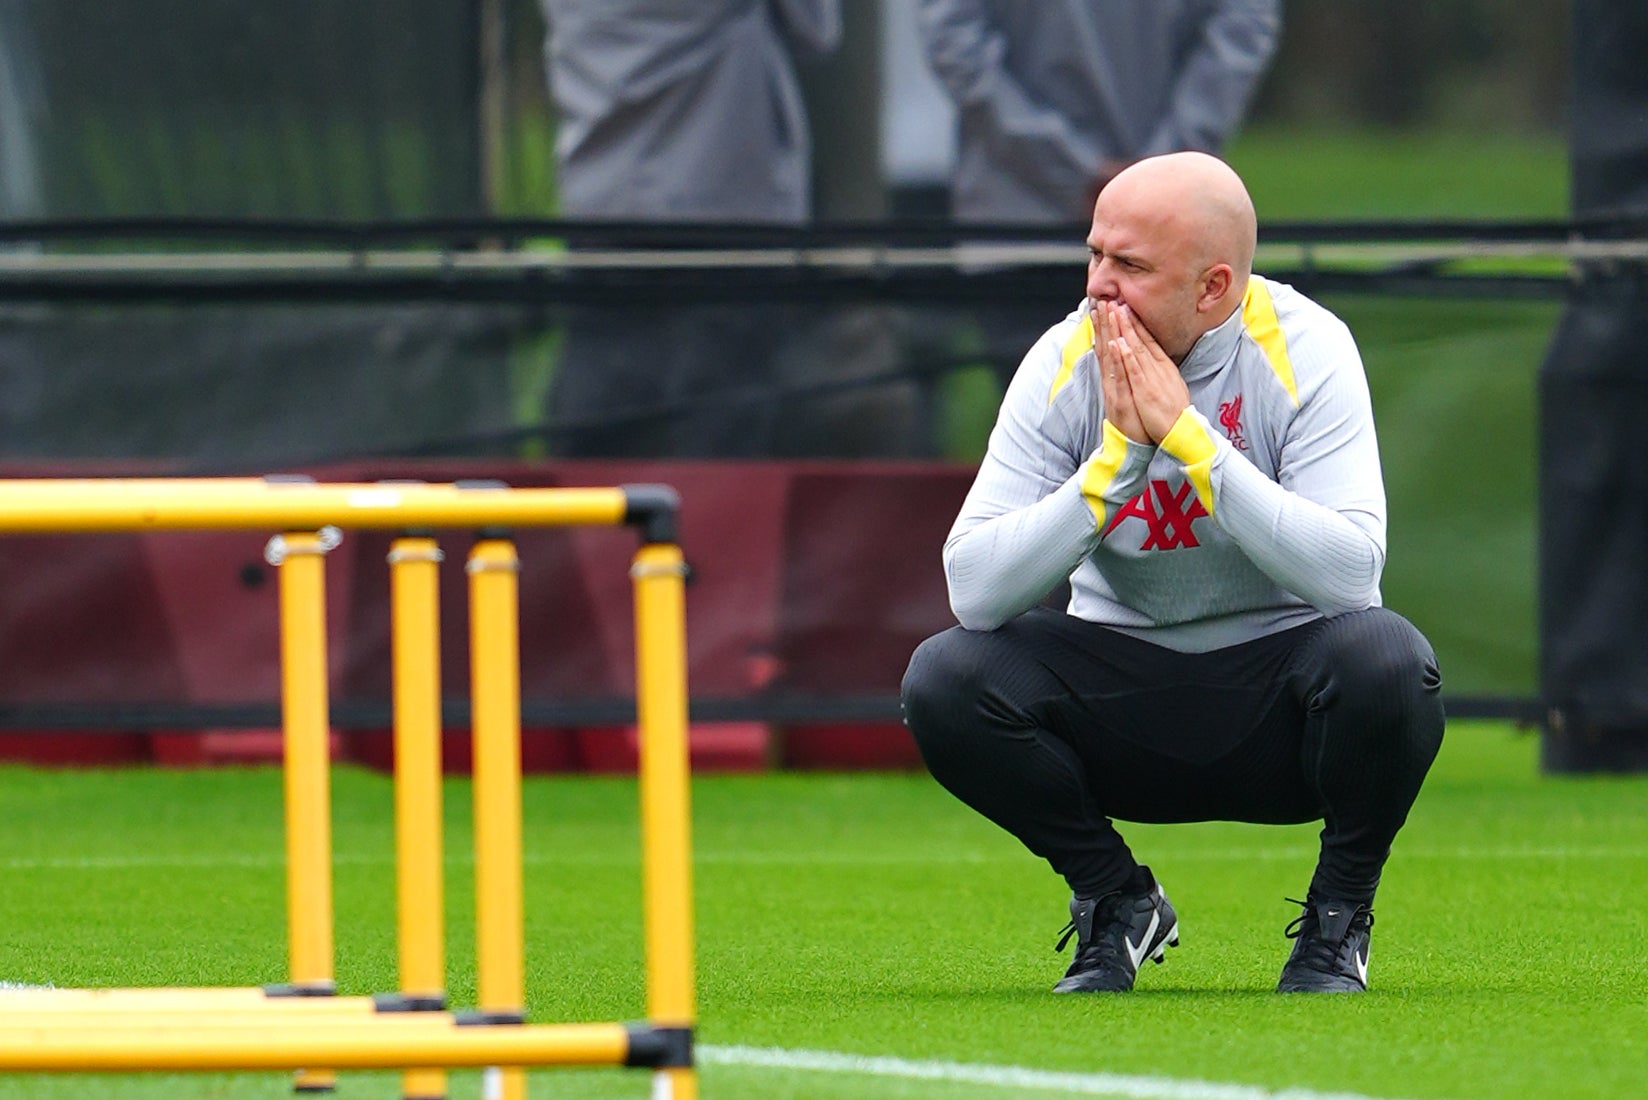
(1139, 256)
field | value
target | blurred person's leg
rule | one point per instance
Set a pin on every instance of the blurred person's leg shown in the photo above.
(687, 381)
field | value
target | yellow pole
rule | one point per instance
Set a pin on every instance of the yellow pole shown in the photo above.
(666, 846)
(414, 583)
(299, 1012)
(138, 504)
(204, 999)
(306, 721)
(495, 687)
(375, 1044)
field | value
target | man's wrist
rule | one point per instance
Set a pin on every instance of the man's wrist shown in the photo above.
(1189, 440)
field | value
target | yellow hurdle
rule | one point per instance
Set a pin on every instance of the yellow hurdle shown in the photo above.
(299, 1024)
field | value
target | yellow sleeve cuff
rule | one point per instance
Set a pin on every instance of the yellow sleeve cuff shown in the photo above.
(1101, 472)
(1191, 442)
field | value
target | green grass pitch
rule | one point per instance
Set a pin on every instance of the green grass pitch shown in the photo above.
(870, 915)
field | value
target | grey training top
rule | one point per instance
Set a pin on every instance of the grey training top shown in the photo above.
(684, 110)
(1264, 507)
(1046, 91)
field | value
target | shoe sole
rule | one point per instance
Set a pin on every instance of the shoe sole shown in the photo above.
(1330, 985)
(1159, 954)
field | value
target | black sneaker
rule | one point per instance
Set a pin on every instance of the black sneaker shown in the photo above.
(1115, 933)
(1330, 948)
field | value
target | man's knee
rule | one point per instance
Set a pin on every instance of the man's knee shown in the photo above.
(1378, 664)
(942, 671)
(1382, 648)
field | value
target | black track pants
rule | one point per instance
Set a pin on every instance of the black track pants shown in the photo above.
(1052, 726)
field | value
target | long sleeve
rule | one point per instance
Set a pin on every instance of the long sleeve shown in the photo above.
(813, 27)
(683, 111)
(1219, 76)
(1008, 549)
(1331, 559)
(964, 48)
(1050, 153)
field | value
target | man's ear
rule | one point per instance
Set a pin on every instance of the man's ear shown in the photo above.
(1215, 285)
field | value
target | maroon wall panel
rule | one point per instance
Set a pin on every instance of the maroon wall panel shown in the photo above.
(808, 579)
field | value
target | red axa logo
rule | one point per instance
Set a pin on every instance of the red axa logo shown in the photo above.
(1230, 419)
(1166, 512)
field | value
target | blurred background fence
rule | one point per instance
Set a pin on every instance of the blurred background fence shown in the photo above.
(324, 238)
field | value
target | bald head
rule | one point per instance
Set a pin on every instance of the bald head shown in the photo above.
(1173, 238)
(1198, 196)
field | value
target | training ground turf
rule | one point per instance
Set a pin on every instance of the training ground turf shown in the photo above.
(865, 936)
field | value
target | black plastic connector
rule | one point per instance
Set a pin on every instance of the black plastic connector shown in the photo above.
(409, 1002)
(655, 510)
(301, 989)
(483, 1018)
(659, 1047)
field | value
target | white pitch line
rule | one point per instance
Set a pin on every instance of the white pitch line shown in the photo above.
(1132, 1086)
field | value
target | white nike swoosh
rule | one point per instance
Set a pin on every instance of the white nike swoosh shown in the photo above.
(1361, 967)
(1136, 951)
